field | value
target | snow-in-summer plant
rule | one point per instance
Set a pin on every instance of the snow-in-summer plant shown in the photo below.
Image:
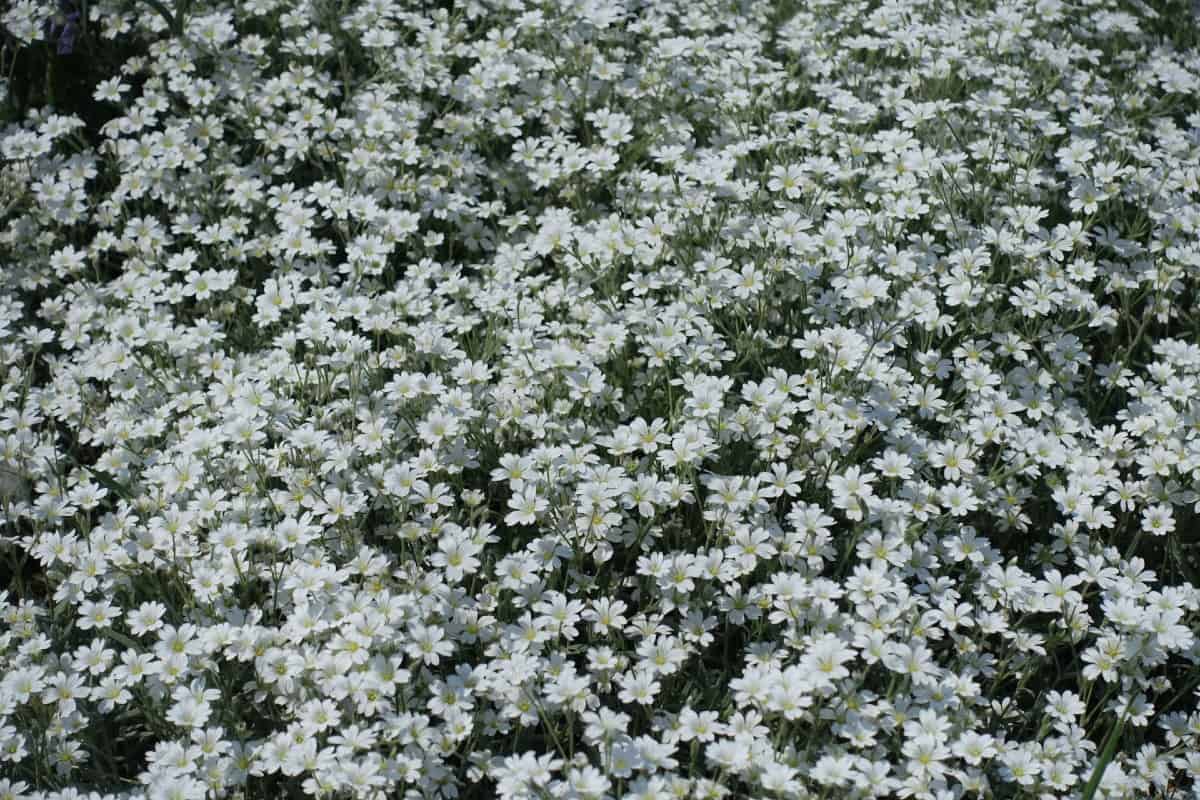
(593, 399)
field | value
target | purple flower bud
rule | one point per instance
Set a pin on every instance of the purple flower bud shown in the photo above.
(63, 28)
(66, 39)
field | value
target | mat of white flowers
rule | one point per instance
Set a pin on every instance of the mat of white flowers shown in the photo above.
(603, 400)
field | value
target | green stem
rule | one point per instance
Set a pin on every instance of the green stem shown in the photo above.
(51, 100)
(1106, 756)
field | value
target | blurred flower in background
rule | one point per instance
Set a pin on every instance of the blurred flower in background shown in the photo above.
(63, 27)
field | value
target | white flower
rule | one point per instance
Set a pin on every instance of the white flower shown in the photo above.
(525, 505)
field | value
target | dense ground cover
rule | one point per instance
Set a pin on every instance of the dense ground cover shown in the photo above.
(600, 399)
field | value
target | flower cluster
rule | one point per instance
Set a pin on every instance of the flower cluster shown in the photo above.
(605, 400)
